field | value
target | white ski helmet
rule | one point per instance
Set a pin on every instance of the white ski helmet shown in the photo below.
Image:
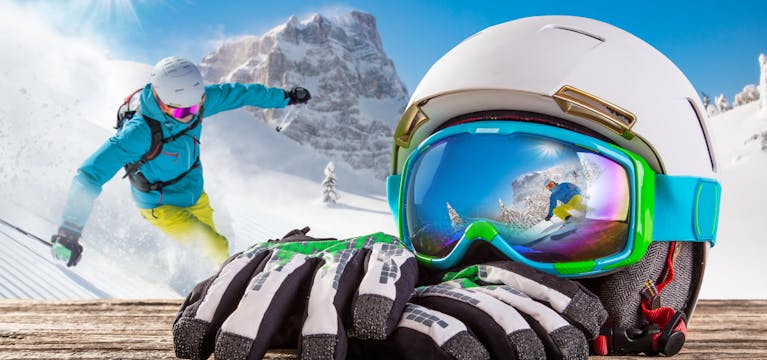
(177, 82)
(591, 77)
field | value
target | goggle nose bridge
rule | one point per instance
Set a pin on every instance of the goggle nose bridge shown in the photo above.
(480, 230)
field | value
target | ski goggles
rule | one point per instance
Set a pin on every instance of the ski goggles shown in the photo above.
(178, 112)
(492, 181)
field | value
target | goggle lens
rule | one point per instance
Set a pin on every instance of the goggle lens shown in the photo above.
(180, 113)
(502, 179)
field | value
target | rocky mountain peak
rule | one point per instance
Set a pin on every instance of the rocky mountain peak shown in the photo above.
(357, 96)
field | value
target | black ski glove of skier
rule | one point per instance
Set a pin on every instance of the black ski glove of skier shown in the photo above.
(66, 246)
(298, 95)
(297, 292)
(500, 310)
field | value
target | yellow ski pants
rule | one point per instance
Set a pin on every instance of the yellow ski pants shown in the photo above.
(190, 226)
(575, 203)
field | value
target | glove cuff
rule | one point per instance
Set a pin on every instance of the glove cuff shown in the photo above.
(66, 233)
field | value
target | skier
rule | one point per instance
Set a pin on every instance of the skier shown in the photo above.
(570, 196)
(166, 181)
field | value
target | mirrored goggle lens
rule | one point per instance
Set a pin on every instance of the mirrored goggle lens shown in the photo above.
(502, 179)
(183, 112)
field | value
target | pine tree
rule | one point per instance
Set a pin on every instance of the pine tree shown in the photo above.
(507, 215)
(329, 193)
(455, 219)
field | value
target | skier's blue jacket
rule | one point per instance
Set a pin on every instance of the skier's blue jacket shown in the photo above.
(562, 192)
(134, 139)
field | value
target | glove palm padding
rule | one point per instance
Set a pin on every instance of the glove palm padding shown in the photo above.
(259, 299)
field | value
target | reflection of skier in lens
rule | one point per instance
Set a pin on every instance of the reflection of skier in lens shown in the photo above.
(569, 195)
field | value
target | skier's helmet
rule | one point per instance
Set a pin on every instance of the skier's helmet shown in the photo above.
(549, 183)
(589, 77)
(177, 82)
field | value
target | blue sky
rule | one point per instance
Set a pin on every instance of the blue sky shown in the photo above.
(715, 44)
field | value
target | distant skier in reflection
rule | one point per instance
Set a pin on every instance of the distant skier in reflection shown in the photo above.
(569, 195)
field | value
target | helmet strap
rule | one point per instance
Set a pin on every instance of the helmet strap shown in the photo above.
(667, 328)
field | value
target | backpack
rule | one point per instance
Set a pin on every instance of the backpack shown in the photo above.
(127, 110)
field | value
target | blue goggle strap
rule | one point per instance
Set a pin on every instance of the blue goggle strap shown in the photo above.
(686, 209)
(392, 193)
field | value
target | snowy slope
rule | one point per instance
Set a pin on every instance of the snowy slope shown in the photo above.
(735, 267)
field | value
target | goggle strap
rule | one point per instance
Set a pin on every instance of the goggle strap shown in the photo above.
(393, 183)
(686, 209)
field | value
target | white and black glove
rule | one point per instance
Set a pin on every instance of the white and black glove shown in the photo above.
(500, 310)
(298, 292)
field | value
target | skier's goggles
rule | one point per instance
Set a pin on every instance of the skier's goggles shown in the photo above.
(487, 180)
(179, 112)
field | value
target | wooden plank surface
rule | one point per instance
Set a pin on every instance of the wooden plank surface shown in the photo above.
(129, 329)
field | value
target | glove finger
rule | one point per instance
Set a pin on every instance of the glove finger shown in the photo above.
(271, 297)
(323, 335)
(391, 274)
(498, 326)
(561, 339)
(569, 298)
(211, 302)
(422, 333)
(426, 331)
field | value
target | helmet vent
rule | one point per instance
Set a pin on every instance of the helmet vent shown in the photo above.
(577, 31)
(706, 137)
(577, 102)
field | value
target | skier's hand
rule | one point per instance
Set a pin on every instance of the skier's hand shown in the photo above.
(500, 310)
(66, 246)
(297, 290)
(298, 95)
(548, 218)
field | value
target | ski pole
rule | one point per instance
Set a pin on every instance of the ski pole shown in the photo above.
(282, 124)
(28, 234)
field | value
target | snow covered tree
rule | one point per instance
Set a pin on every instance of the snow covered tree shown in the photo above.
(506, 215)
(749, 94)
(455, 219)
(329, 193)
(722, 104)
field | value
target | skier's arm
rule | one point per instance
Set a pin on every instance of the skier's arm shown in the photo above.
(223, 97)
(125, 147)
(552, 204)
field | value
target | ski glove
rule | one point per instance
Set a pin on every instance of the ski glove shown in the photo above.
(297, 289)
(298, 95)
(500, 310)
(66, 246)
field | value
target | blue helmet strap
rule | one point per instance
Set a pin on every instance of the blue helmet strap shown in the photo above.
(686, 209)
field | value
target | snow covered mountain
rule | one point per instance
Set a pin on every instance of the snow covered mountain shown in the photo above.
(357, 94)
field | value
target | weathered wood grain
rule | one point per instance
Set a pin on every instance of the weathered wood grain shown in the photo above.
(129, 329)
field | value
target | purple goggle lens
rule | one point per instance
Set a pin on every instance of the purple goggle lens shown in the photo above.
(180, 113)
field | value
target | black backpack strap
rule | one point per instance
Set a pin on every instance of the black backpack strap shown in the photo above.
(124, 112)
(154, 148)
(140, 182)
(131, 170)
